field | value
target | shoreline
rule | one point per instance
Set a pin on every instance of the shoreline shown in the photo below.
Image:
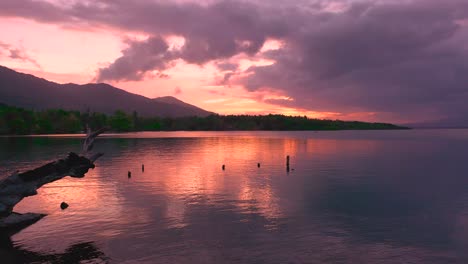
(169, 131)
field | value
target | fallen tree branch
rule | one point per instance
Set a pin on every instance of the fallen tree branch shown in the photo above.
(20, 185)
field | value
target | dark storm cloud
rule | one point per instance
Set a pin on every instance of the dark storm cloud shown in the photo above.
(399, 58)
(402, 58)
(139, 58)
(212, 32)
(409, 58)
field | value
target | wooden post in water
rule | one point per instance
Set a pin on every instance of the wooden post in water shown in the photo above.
(129, 174)
(142, 167)
(287, 163)
(224, 167)
(258, 165)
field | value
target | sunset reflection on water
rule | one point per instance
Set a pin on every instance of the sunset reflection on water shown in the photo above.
(344, 195)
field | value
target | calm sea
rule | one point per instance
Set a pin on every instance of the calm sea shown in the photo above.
(350, 197)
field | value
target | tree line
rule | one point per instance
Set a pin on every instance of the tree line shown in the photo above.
(20, 121)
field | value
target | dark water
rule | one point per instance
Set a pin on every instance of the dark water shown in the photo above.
(353, 197)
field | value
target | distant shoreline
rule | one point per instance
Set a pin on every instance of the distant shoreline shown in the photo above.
(82, 134)
(20, 121)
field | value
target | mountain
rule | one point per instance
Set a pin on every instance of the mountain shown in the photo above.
(176, 102)
(170, 100)
(27, 91)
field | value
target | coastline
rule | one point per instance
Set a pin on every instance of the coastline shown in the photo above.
(82, 134)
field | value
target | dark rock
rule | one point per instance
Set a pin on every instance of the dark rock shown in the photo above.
(63, 205)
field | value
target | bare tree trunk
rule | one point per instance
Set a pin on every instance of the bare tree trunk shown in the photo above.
(19, 185)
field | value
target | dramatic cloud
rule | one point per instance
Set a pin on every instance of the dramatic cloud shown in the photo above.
(405, 60)
(137, 59)
(212, 32)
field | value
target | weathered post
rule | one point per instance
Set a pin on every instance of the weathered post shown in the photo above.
(287, 163)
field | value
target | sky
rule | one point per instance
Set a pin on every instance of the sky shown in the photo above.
(400, 61)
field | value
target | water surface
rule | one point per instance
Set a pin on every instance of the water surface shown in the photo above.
(352, 197)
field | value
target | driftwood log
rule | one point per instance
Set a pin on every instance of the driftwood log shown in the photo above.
(20, 185)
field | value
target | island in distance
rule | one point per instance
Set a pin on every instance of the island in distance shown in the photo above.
(32, 105)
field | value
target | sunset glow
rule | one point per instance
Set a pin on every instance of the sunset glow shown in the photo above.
(233, 131)
(240, 59)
